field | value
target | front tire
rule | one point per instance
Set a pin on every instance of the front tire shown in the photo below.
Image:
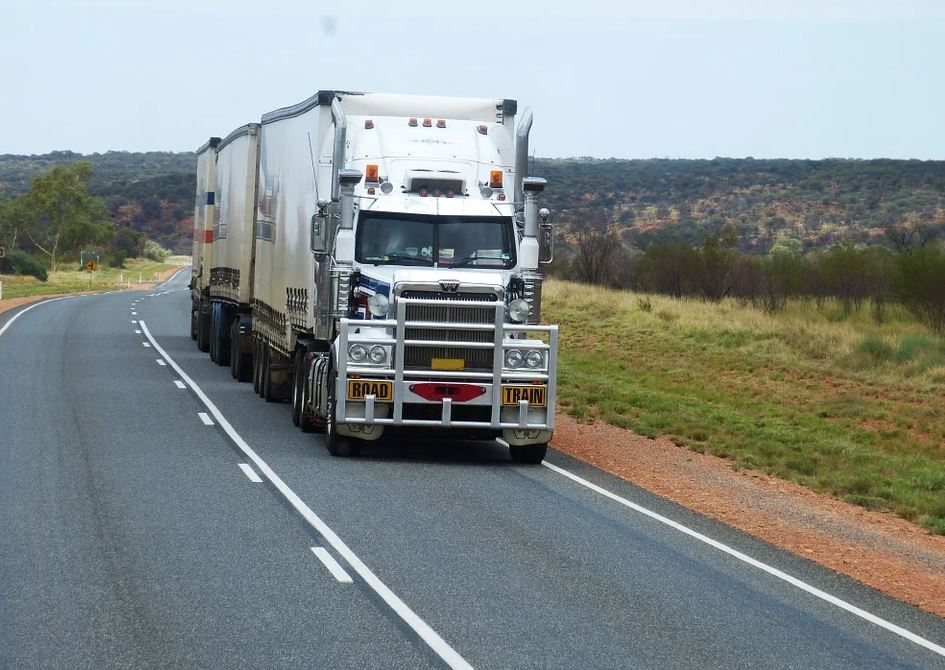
(528, 453)
(338, 445)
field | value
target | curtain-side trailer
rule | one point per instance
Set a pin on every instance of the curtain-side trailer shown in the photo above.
(204, 215)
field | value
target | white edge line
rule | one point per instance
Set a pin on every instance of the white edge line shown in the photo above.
(28, 308)
(179, 384)
(207, 421)
(333, 566)
(439, 646)
(250, 473)
(794, 581)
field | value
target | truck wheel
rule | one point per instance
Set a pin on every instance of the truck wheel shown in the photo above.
(528, 453)
(307, 418)
(203, 332)
(338, 445)
(222, 346)
(268, 392)
(257, 359)
(235, 348)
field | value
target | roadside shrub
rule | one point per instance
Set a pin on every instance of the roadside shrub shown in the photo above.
(913, 346)
(24, 264)
(644, 304)
(155, 252)
(875, 348)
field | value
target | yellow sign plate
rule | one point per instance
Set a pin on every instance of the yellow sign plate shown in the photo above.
(383, 391)
(534, 394)
(448, 363)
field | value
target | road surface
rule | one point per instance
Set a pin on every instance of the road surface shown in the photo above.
(154, 513)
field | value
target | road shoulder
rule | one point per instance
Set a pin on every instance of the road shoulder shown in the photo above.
(878, 549)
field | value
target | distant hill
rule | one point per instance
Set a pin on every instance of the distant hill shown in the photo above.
(816, 202)
(151, 192)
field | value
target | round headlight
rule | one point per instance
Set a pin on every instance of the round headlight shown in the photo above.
(534, 359)
(378, 304)
(513, 358)
(357, 353)
(518, 310)
(378, 354)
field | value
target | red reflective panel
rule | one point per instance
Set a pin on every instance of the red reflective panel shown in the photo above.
(456, 392)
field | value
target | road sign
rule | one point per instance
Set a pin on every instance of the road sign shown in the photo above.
(91, 266)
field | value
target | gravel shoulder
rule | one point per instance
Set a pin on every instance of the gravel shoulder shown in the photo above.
(878, 549)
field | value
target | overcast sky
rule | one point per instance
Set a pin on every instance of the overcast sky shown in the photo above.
(631, 79)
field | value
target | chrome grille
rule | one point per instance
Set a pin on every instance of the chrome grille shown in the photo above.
(475, 359)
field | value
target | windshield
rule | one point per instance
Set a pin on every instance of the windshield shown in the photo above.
(435, 241)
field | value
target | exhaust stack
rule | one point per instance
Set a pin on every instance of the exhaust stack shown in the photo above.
(521, 156)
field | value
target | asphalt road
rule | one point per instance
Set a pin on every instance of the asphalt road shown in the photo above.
(133, 535)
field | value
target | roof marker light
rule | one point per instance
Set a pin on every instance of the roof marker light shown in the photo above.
(483, 129)
(424, 193)
(441, 123)
(428, 123)
(370, 172)
(436, 193)
(368, 124)
(412, 122)
(450, 194)
(370, 190)
(502, 196)
(495, 178)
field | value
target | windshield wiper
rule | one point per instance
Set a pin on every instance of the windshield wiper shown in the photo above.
(463, 262)
(398, 258)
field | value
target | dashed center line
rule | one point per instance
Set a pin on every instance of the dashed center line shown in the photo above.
(207, 421)
(179, 384)
(137, 332)
(250, 473)
(146, 344)
(334, 568)
(160, 362)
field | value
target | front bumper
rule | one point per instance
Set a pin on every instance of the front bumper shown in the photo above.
(526, 420)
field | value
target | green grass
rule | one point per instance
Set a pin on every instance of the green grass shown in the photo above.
(71, 279)
(837, 403)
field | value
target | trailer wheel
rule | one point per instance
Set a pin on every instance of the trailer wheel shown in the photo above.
(203, 331)
(193, 324)
(257, 359)
(235, 348)
(268, 388)
(338, 445)
(528, 453)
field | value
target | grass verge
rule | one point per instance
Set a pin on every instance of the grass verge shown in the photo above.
(841, 405)
(71, 279)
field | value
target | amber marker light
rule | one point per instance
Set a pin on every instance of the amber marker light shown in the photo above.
(495, 179)
(370, 172)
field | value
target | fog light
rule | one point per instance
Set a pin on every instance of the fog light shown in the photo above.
(357, 353)
(534, 359)
(513, 358)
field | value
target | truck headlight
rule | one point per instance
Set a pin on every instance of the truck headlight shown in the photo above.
(378, 304)
(357, 353)
(513, 358)
(518, 310)
(378, 354)
(534, 359)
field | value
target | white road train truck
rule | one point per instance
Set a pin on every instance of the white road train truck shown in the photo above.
(394, 269)
(204, 215)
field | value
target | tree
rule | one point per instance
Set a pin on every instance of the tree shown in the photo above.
(599, 255)
(59, 215)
